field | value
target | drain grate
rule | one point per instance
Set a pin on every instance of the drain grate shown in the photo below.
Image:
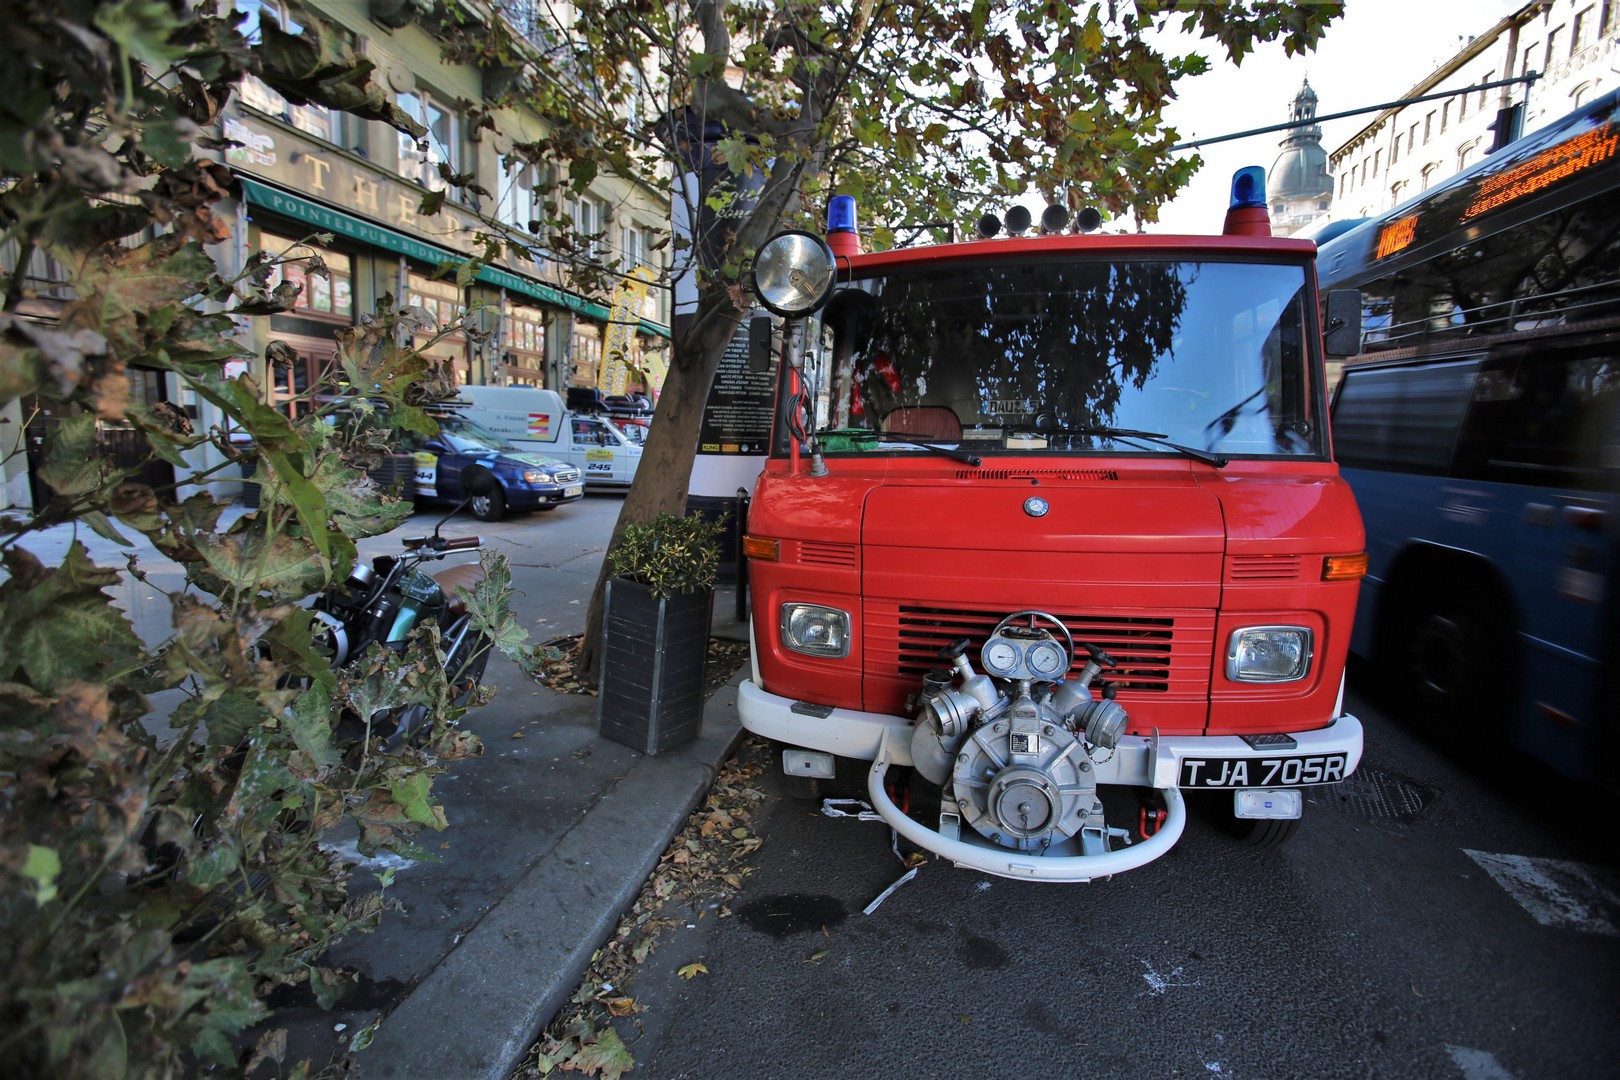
(1378, 796)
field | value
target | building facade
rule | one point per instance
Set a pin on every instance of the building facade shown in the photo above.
(304, 171)
(1570, 44)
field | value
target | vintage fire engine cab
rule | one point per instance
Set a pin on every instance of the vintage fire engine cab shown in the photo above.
(1048, 517)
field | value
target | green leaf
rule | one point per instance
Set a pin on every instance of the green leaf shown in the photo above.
(414, 795)
(57, 626)
(309, 722)
(42, 866)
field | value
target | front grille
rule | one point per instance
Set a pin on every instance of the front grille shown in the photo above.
(1157, 653)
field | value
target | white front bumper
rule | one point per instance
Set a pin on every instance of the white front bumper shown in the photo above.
(1138, 761)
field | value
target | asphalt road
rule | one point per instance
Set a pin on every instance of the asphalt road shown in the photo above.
(1429, 920)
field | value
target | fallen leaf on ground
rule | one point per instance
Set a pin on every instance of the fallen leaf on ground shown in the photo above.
(691, 970)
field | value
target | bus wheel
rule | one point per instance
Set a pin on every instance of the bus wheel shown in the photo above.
(1454, 658)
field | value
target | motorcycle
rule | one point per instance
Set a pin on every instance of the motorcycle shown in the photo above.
(384, 602)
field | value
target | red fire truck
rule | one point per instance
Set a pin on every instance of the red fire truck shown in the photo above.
(1050, 516)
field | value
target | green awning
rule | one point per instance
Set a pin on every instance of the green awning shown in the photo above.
(336, 221)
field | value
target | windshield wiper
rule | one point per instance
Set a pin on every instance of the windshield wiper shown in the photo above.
(1158, 438)
(910, 440)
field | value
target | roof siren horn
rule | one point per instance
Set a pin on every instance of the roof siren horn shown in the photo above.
(1088, 220)
(989, 225)
(1246, 216)
(1053, 219)
(1018, 220)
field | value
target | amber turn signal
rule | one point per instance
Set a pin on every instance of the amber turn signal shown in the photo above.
(762, 548)
(1344, 567)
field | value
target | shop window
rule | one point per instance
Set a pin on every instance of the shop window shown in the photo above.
(419, 159)
(441, 299)
(523, 346)
(319, 295)
(587, 358)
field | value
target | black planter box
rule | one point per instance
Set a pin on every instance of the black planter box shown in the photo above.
(653, 652)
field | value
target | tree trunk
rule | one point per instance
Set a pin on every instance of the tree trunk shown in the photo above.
(665, 471)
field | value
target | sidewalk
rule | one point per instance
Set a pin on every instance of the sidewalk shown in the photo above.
(552, 832)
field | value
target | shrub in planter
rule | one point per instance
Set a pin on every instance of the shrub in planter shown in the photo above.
(655, 632)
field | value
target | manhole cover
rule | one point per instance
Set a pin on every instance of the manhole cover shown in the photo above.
(1378, 796)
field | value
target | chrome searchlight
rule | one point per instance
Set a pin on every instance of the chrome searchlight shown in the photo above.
(794, 273)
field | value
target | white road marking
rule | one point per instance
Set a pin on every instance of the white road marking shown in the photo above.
(1477, 1064)
(1556, 892)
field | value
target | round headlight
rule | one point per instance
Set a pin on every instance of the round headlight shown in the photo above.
(793, 273)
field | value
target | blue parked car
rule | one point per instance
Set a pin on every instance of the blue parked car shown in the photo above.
(524, 481)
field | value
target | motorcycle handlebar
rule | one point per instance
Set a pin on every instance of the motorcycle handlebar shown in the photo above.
(458, 543)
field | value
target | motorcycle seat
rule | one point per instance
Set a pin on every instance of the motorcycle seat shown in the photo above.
(467, 576)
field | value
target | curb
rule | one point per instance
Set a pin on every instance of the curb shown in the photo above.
(477, 1013)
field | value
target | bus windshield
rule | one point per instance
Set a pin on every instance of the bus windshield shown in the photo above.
(1071, 355)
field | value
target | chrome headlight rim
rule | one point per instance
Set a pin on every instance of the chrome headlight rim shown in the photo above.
(790, 625)
(1238, 672)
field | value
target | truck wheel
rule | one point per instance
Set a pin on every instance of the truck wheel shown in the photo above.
(490, 506)
(1265, 833)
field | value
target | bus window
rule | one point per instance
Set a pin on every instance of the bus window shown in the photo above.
(1403, 419)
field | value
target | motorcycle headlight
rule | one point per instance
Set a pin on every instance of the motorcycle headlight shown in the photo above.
(535, 476)
(815, 630)
(1269, 654)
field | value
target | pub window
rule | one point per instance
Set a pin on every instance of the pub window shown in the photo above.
(1487, 77)
(1583, 31)
(1552, 47)
(419, 159)
(318, 295)
(523, 346)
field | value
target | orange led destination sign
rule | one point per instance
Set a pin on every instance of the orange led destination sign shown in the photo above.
(1545, 169)
(1394, 235)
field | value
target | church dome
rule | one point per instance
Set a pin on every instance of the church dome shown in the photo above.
(1300, 171)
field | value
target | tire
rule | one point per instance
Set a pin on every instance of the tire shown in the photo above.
(491, 507)
(1264, 833)
(1451, 658)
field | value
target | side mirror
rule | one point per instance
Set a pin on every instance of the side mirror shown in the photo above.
(761, 343)
(794, 273)
(435, 446)
(477, 480)
(1341, 330)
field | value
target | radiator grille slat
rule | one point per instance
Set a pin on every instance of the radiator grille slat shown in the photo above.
(1161, 653)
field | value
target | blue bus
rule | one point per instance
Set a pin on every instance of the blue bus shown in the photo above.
(1480, 429)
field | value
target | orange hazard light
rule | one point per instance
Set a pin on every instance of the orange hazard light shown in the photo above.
(1344, 567)
(762, 548)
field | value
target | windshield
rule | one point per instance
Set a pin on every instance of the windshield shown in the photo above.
(465, 437)
(1060, 356)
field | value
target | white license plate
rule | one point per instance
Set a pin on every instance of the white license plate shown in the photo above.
(573, 489)
(1301, 771)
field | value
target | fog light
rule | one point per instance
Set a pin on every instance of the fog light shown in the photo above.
(1269, 654)
(815, 630)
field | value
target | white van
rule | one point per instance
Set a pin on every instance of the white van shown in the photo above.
(537, 421)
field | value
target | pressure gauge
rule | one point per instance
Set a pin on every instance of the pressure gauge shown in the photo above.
(1047, 660)
(1000, 657)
